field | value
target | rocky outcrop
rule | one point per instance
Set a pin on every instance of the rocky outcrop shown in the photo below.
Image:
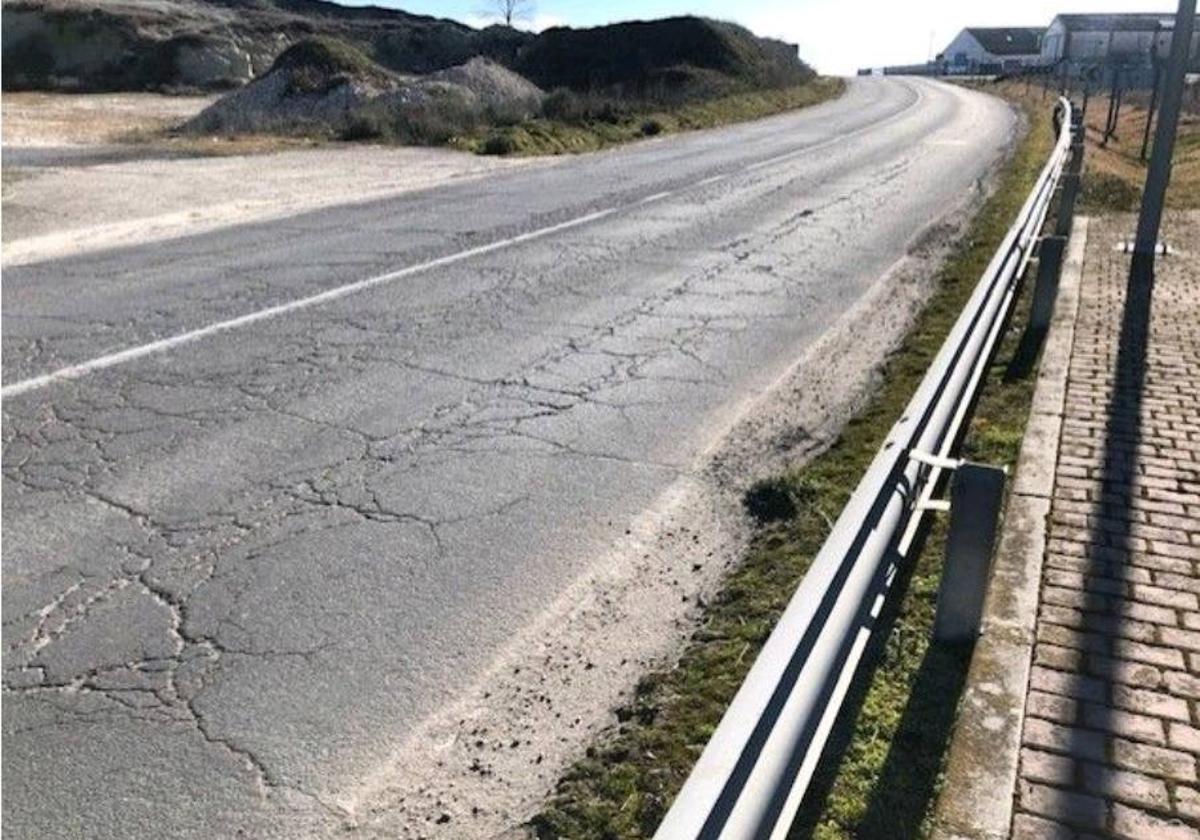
(207, 44)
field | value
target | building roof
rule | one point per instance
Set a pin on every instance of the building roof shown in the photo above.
(1119, 22)
(1008, 40)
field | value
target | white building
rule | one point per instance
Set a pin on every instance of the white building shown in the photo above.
(988, 49)
(1111, 39)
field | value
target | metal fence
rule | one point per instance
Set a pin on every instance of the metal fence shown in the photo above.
(752, 775)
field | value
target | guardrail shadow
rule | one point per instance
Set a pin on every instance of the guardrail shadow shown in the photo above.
(1110, 540)
(902, 793)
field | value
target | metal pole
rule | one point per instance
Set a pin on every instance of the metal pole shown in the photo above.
(1112, 101)
(1159, 173)
(1116, 119)
(1153, 105)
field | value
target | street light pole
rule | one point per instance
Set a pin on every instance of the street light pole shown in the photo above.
(1159, 173)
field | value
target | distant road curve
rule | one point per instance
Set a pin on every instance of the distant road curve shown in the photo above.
(277, 494)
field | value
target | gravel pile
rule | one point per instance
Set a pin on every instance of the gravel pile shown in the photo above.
(327, 88)
(271, 104)
(494, 86)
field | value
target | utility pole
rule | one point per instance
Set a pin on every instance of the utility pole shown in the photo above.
(1159, 173)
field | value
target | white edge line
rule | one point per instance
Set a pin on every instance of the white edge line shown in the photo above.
(658, 196)
(122, 356)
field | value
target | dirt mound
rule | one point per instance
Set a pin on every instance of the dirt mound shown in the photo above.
(316, 84)
(677, 58)
(494, 86)
(322, 86)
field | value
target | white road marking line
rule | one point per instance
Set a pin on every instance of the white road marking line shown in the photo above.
(162, 345)
(657, 196)
(122, 356)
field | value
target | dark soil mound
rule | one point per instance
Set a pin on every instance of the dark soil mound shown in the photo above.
(674, 56)
(318, 64)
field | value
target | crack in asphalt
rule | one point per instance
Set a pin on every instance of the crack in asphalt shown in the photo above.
(291, 496)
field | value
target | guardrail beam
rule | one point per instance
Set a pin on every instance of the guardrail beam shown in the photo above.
(756, 767)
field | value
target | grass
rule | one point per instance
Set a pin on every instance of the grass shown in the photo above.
(590, 132)
(879, 774)
(597, 128)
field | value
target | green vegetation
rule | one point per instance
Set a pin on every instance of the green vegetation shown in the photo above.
(316, 65)
(584, 123)
(880, 772)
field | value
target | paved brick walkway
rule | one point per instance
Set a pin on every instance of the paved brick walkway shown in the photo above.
(1111, 738)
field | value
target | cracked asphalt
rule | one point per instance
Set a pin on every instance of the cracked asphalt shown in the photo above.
(237, 573)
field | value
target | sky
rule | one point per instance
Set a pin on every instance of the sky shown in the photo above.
(835, 36)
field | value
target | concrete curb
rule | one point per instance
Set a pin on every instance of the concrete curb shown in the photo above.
(976, 801)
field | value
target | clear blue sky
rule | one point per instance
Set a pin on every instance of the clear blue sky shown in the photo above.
(836, 36)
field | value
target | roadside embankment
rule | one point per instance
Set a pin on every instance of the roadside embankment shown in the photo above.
(880, 774)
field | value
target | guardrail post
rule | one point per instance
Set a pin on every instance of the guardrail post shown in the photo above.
(976, 494)
(1066, 202)
(1045, 290)
(1071, 178)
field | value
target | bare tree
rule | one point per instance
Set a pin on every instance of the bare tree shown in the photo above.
(512, 10)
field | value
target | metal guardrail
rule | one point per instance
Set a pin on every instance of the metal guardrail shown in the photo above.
(752, 775)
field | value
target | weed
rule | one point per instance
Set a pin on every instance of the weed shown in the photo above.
(499, 143)
(651, 127)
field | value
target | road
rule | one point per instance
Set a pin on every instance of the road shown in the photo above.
(274, 494)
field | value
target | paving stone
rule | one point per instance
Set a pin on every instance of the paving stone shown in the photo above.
(1155, 761)
(1184, 737)
(1126, 786)
(1138, 825)
(1047, 767)
(1187, 802)
(1029, 827)
(1070, 807)
(1126, 724)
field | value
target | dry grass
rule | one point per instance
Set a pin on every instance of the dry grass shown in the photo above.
(144, 119)
(51, 119)
(217, 145)
(632, 121)
(1113, 171)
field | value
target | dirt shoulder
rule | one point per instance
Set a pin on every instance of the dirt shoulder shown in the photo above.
(58, 119)
(76, 189)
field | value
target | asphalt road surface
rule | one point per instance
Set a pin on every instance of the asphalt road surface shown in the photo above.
(273, 494)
